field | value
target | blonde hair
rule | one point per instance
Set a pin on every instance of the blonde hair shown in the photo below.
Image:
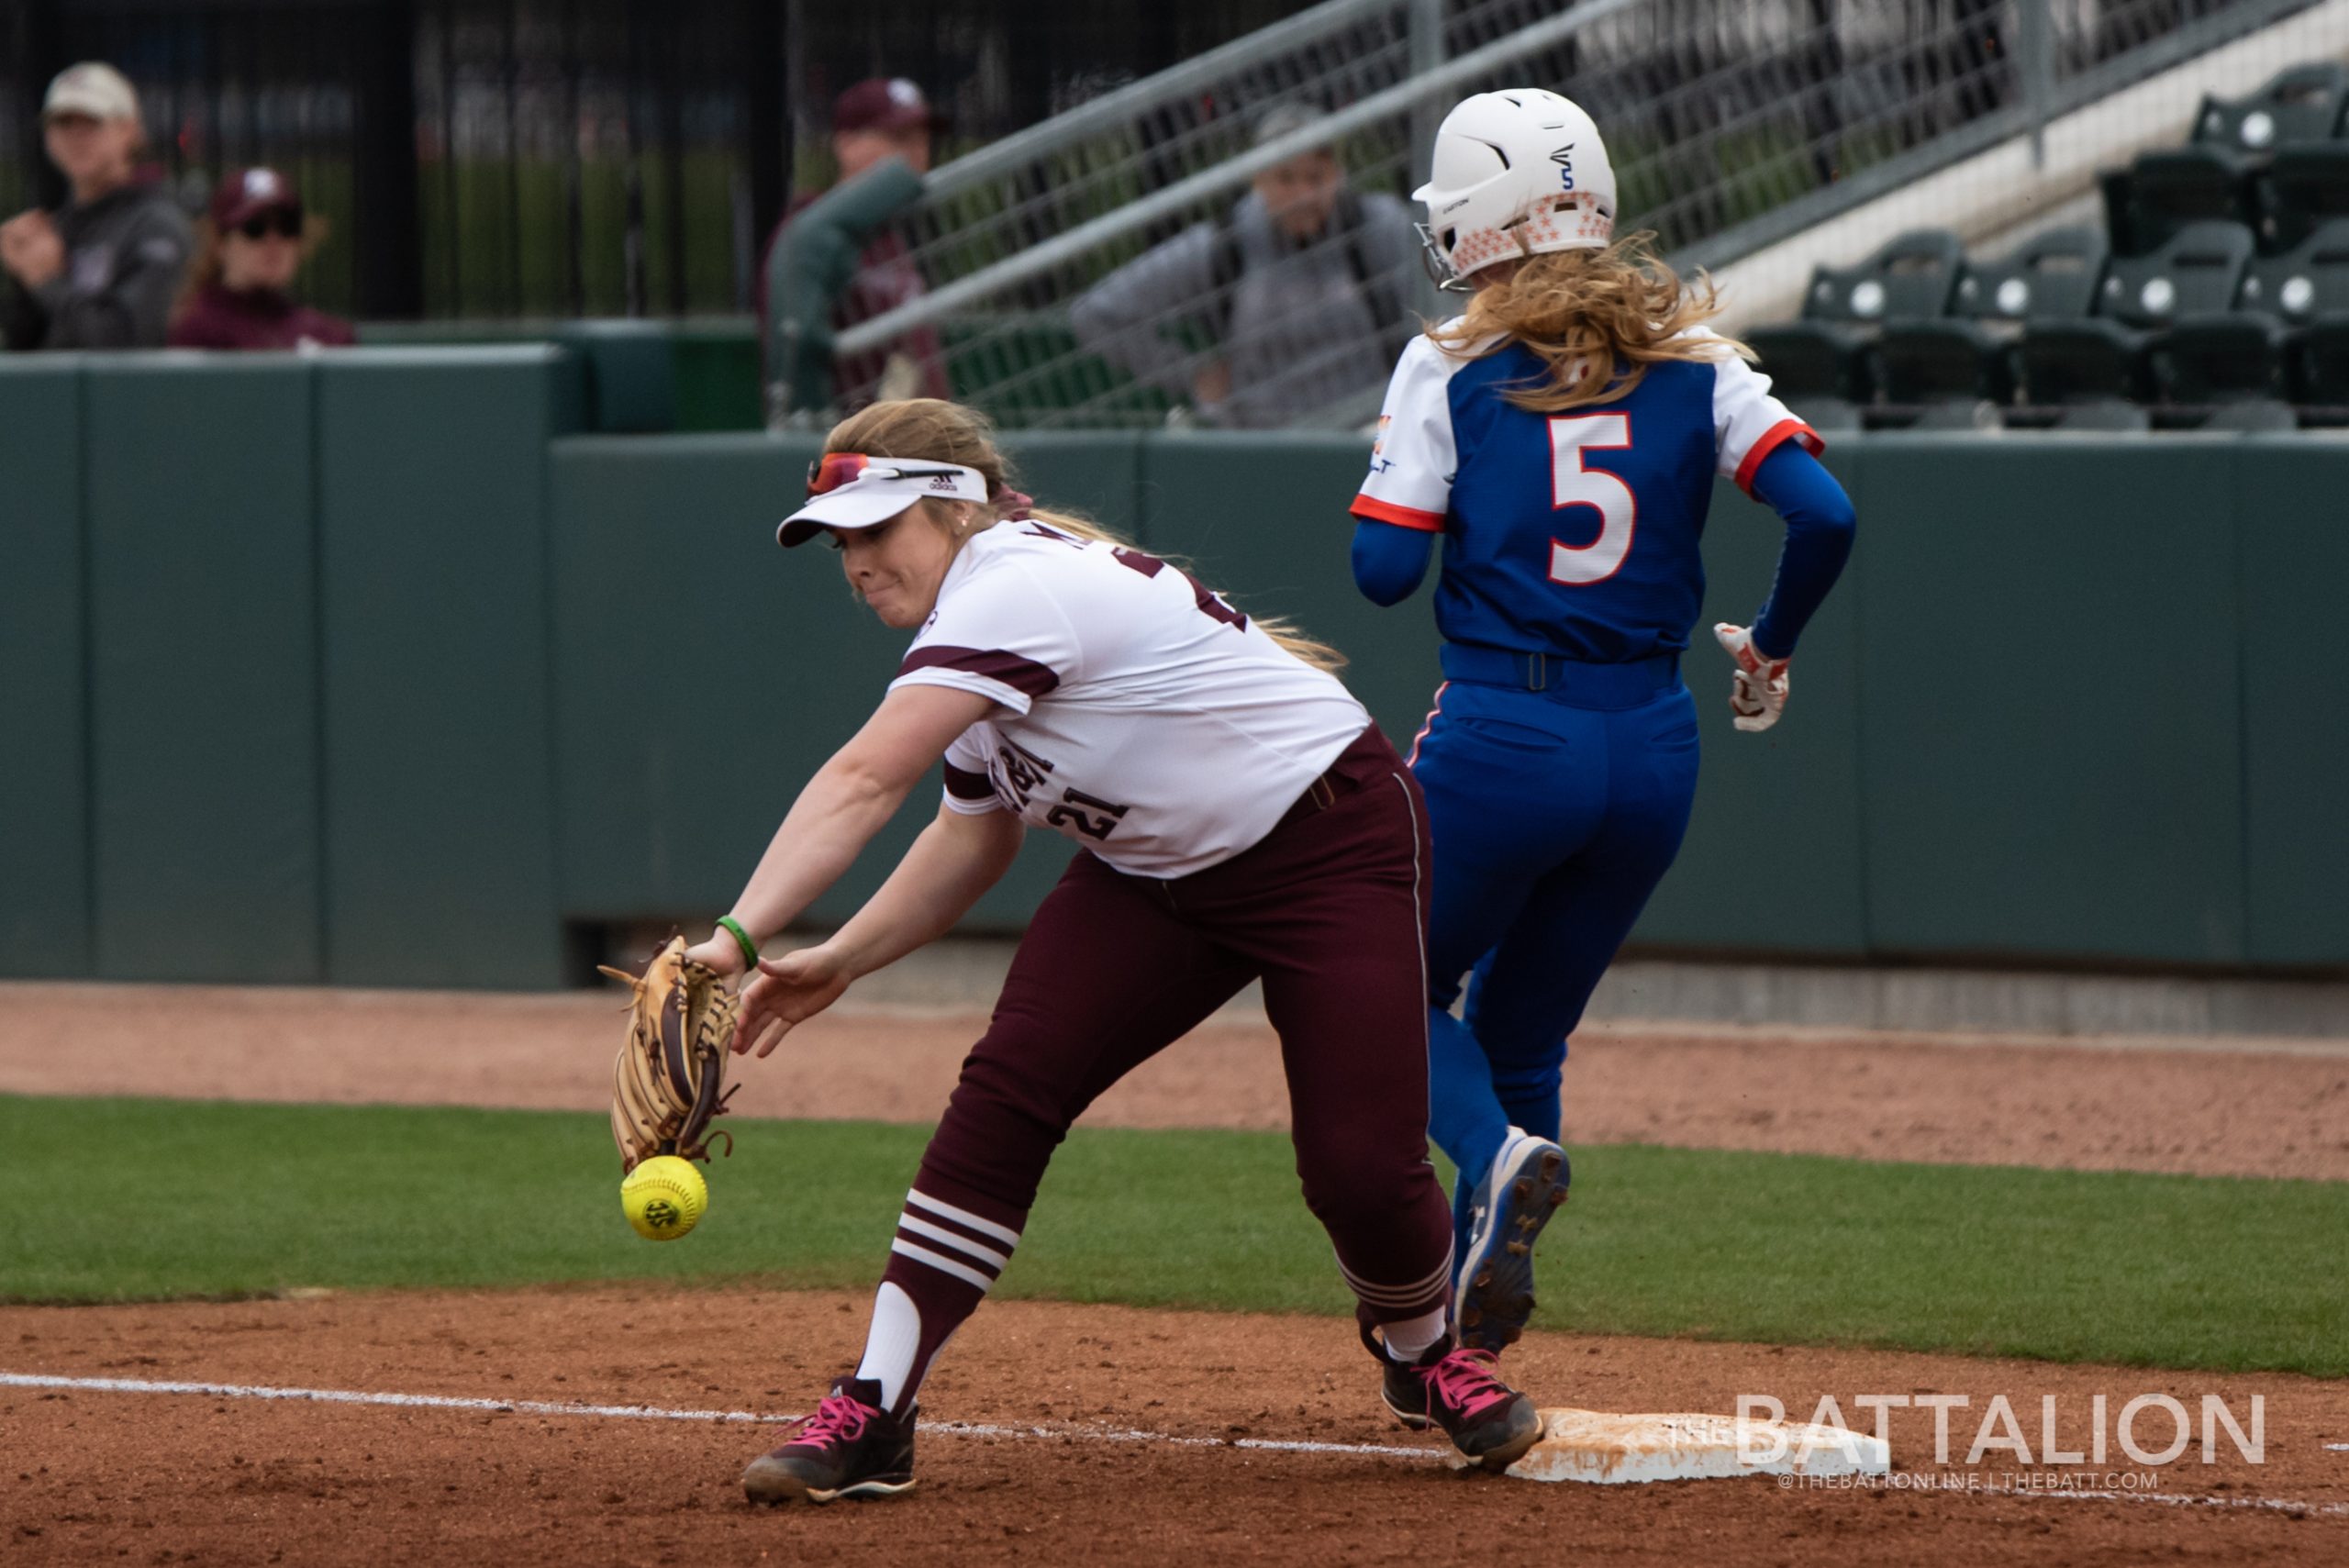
(934, 430)
(1596, 320)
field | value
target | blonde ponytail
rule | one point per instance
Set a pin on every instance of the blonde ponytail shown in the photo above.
(1596, 320)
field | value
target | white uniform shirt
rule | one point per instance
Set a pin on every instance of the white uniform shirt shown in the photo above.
(1140, 715)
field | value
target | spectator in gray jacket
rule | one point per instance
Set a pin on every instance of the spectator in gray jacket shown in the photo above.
(102, 272)
(1290, 301)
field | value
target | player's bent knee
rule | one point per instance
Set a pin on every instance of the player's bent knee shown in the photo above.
(1359, 1185)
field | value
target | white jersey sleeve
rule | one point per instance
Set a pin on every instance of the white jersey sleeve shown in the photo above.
(1413, 462)
(969, 792)
(1749, 422)
(1002, 636)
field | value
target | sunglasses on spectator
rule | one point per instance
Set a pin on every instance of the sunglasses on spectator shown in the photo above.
(284, 222)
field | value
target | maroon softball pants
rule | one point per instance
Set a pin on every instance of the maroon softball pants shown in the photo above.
(1329, 910)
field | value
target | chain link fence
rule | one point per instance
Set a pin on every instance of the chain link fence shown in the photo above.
(1085, 273)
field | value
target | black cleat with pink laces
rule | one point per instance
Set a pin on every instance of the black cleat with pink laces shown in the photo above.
(1489, 1422)
(849, 1448)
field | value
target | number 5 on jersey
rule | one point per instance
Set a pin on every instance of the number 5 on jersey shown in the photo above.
(1571, 485)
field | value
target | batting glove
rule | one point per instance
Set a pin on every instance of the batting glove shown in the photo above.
(1757, 691)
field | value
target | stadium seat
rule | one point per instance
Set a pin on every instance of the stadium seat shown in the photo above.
(1958, 414)
(1810, 361)
(2305, 188)
(1828, 416)
(2093, 361)
(1913, 277)
(2051, 276)
(2308, 281)
(2220, 359)
(2316, 364)
(2301, 103)
(1918, 362)
(2252, 415)
(2168, 189)
(2198, 269)
(2103, 415)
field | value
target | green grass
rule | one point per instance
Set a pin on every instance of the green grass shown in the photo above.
(119, 1200)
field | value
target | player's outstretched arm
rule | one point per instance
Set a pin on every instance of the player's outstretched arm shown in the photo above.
(842, 806)
(956, 858)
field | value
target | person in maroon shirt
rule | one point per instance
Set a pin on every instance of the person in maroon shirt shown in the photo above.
(874, 120)
(255, 241)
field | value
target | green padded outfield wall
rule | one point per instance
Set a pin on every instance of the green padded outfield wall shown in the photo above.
(203, 668)
(376, 678)
(2050, 699)
(2291, 525)
(44, 772)
(1978, 761)
(432, 528)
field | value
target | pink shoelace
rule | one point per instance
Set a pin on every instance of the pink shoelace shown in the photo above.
(838, 1418)
(1465, 1381)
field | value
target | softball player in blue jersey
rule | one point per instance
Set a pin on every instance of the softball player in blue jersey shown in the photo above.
(1561, 436)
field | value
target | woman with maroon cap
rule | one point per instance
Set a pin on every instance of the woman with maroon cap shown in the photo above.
(256, 238)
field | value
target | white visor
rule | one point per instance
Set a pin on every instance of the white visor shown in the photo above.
(859, 492)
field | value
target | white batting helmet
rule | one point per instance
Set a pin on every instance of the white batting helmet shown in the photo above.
(1515, 173)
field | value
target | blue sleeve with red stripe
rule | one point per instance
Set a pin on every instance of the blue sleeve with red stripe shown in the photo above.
(1390, 560)
(1819, 526)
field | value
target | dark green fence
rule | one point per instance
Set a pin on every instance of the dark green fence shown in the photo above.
(376, 670)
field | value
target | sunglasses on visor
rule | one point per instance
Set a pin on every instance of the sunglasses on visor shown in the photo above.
(836, 468)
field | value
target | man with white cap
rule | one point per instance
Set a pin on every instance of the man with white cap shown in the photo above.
(101, 272)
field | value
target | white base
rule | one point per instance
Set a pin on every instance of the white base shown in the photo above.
(1595, 1446)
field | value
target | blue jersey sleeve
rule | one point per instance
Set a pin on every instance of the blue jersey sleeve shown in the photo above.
(1390, 560)
(1819, 527)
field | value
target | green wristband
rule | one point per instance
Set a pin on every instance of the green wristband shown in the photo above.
(750, 949)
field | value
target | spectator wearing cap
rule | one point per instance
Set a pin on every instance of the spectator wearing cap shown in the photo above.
(874, 121)
(255, 238)
(101, 271)
(1283, 305)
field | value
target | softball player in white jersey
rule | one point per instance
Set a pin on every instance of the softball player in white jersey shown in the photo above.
(1238, 818)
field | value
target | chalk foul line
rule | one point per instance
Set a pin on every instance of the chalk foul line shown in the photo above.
(659, 1413)
(967, 1430)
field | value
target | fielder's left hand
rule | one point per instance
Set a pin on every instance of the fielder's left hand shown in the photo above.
(788, 991)
(1758, 691)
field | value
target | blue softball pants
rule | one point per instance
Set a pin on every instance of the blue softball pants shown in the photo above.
(1554, 814)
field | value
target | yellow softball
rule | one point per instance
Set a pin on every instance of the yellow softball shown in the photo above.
(664, 1197)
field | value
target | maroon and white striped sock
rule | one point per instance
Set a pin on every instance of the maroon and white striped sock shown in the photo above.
(944, 1259)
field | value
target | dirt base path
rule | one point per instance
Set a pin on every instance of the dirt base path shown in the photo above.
(107, 1476)
(2231, 1108)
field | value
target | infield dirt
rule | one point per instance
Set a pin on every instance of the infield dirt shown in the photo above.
(107, 1476)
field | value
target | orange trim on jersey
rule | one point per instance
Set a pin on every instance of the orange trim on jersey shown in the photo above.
(1772, 439)
(1401, 517)
(1413, 759)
